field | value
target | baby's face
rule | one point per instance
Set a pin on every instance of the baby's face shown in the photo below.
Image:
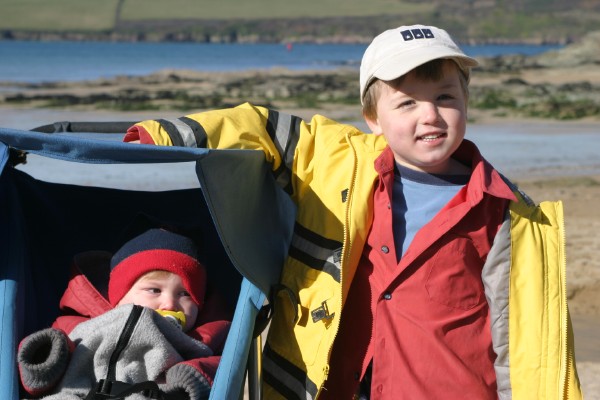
(165, 292)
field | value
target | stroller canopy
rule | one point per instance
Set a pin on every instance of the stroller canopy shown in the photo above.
(245, 221)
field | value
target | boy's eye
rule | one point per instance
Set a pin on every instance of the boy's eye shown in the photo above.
(445, 96)
(406, 103)
(185, 293)
(153, 290)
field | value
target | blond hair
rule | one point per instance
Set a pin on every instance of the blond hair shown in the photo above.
(430, 71)
(155, 274)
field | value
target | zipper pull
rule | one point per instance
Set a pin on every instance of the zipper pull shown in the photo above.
(321, 313)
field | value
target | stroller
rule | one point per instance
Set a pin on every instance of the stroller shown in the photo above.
(66, 188)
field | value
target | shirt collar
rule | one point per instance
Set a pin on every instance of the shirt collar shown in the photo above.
(484, 178)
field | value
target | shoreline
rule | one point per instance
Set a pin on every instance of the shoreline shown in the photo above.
(13, 117)
(560, 86)
(47, 36)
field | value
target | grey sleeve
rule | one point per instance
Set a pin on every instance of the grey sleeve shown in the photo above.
(43, 358)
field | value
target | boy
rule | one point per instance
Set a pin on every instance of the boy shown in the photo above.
(451, 282)
(153, 275)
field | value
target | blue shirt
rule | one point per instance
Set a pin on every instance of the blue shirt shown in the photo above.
(416, 198)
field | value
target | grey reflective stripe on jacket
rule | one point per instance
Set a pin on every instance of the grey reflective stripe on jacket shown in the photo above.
(496, 281)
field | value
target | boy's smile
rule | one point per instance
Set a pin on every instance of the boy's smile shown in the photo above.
(424, 121)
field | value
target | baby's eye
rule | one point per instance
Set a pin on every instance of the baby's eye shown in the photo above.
(153, 290)
(185, 293)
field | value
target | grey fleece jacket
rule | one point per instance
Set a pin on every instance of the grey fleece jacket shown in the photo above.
(155, 352)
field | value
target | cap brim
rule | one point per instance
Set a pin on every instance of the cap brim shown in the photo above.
(397, 65)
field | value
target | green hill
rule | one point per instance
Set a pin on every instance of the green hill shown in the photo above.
(286, 20)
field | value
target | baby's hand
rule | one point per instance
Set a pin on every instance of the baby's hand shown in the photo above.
(182, 379)
(137, 134)
(43, 357)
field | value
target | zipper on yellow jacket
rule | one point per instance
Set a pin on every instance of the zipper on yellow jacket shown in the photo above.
(344, 259)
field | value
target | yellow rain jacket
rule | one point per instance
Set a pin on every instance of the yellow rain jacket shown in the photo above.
(327, 168)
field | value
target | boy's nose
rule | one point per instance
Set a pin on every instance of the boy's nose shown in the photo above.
(430, 112)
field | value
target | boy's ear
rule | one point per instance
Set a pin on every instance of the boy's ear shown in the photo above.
(373, 125)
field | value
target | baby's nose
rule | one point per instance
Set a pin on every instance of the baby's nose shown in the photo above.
(168, 303)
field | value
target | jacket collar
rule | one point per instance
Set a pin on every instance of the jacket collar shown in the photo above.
(484, 178)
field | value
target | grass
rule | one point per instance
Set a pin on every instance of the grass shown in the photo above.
(269, 20)
(58, 15)
(260, 9)
(562, 108)
(536, 102)
(512, 25)
(88, 15)
(491, 99)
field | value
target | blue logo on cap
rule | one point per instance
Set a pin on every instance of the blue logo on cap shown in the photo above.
(412, 34)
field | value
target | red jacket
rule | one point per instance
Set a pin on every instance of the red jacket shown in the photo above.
(428, 319)
(85, 298)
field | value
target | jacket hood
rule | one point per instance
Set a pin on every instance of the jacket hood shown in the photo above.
(85, 295)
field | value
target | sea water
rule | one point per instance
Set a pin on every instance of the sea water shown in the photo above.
(34, 62)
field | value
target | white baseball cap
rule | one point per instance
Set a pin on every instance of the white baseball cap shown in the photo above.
(396, 52)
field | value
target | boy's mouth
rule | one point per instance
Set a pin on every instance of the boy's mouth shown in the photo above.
(431, 137)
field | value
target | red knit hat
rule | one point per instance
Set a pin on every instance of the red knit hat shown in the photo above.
(157, 249)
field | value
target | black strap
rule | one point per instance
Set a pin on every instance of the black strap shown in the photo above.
(110, 388)
(134, 316)
(120, 390)
(91, 127)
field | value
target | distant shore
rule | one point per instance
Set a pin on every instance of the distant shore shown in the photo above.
(500, 89)
(132, 37)
(556, 85)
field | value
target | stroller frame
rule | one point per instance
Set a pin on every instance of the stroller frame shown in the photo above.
(249, 246)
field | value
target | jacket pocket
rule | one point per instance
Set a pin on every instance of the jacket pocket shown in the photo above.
(454, 277)
(301, 321)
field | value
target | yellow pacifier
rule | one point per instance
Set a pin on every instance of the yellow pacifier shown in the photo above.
(177, 318)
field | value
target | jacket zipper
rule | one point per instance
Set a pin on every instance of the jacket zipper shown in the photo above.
(343, 259)
(563, 275)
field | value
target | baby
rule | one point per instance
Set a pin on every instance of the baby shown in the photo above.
(123, 344)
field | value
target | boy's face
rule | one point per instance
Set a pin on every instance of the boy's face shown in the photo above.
(165, 292)
(424, 121)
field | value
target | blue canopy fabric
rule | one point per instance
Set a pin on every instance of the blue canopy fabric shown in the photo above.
(245, 221)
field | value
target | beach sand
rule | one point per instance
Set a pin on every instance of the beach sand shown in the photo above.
(578, 194)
